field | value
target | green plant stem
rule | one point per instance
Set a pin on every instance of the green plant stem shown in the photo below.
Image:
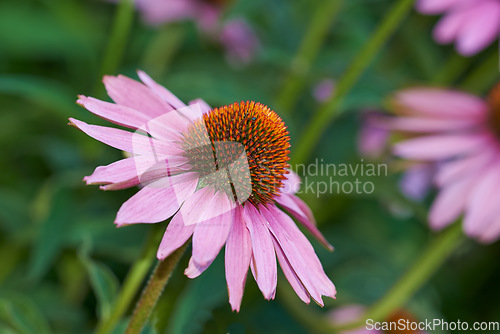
(483, 76)
(132, 282)
(452, 70)
(153, 291)
(322, 19)
(328, 111)
(118, 39)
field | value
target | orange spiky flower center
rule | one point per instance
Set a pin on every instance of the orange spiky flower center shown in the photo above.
(241, 149)
(494, 104)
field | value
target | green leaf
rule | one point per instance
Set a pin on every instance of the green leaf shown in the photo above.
(104, 283)
(22, 315)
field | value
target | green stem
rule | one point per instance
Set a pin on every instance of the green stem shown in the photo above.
(331, 108)
(153, 291)
(118, 39)
(451, 70)
(436, 254)
(483, 76)
(162, 49)
(311, 43)
(132, 283)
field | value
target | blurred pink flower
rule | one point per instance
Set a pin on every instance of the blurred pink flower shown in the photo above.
(373, 135)
(346, 314)
(236, 35)
(472, 24)
(324, 90)
(219, 174)
(461, 133)
(417, 180)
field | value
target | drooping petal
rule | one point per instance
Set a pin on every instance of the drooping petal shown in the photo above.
(290, 274)
(194, 269)
(435, 6)
(291, 184)
(424, 125)
(263, 251)
(132, 142)
(438, 147)
(160, 91)
(157, 201)
(483, 203)
(115, 113)
(491, 232)
(299, 253)
(450, 203)
(175, 236)
(300, 211)
(457, 169)
(441, 103)
(481, 28)
(238, 255)
(448, 27)
(198, 207)
(135, 95)
(210, 235)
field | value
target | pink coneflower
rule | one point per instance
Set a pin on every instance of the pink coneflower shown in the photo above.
(236, 35)
(472, 24)
(461, 133)
(221, 173)
(324, 90)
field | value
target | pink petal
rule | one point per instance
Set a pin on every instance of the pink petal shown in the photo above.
(290, 274)
(115, 113)
(418, 124)
(238, 255)
(481, 29)
(450, 203)
(300, 211)
(210, 235)
(198, 207)
(135, 95)
(449, 26)
(483, 203)
(435, 6)
(175, 236)
(161, 92)
(441, 103)
(205, 107)
(194, 269)
(133, 142)
(158, 201)
(456, 169)
(438, 147)
(491, 232)
(291, 184)
(263, 251)
(299, 253)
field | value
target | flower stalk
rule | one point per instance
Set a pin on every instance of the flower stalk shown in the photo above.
(153, 291)
(120, 30)
(132, 283)
(311, 43)
(328, 111)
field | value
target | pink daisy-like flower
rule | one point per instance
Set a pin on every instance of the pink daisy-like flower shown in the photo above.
(461, 134)
(236, 35)
(472, 24)
(221, 173)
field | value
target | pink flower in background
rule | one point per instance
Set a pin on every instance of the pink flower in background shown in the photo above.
(461, 133)
(221, 173)
(236, 35)
(346, 314)
(324, 90)
(417, 180)
(472, 24)
(373, 135)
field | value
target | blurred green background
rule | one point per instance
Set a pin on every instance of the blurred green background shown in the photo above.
(62, 260)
